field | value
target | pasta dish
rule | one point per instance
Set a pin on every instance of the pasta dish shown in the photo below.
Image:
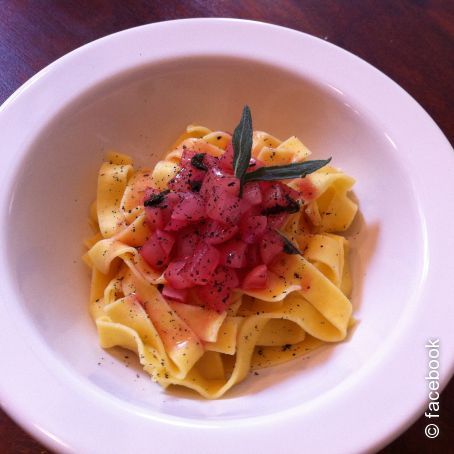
(223, 259)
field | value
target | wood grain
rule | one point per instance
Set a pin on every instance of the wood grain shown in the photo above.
(411, 41)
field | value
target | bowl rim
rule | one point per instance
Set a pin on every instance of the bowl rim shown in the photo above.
(408, 125)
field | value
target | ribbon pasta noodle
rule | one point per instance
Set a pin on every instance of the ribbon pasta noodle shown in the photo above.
(304, 305)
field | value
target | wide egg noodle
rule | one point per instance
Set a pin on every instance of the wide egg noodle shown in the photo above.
(112, 181)
(162, 173)
(247, 336)
(332, 210)
(303, 307)
(326, 253)
(134, 194)
(196, 145)
(204, 322)
(261, 140)
(136, 233)
(289, 151)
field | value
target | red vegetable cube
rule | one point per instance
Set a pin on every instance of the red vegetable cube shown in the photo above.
(214, 232)
(271, 245)
(178, 276)
(252, 228)
(172, 293)
(203, 263)
(233, 254)
(256, 278)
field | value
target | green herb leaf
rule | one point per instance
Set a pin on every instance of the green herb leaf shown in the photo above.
(292, 207)
(289, 247)
(197, 161)
(295, 170)
(195, 185)
(156, 199)
(242, 144)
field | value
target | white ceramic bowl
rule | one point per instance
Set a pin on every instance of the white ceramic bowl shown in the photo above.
(135, 91)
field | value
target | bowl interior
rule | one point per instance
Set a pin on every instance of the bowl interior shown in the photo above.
(141, 112)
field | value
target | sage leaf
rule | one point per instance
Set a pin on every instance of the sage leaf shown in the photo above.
(197, 161)
(156, 199)
(242, 144)
(285, 172)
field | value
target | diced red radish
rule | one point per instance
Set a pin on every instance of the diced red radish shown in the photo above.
(213, 297)
(191, 208)
(226, 160)
(149, 192)
(217, 181)
(252, 228)
(221, 205)
(186, 157)
(292, 193)
(226, 277)
(207, 160)
(264, 186)
(175, 294)
(187, 174)
(177, 275)
(211, 161)
(166, 241)
(230, 185)
(158, 216)
(172, 199)
(278, 198)
(206, 190)
(274, 195)
(276, 221)
(215, 232)
(176, 224)
(308, 191)
(216, 295)
(220, 193)
(224, 208)
(254, 164)
(253, 255)
(252, 193)
(187, 241)
(153, 253)
(233, 254)
(182, 181)
(245, 206)
(204, 261)
(271, 245)
(254, 210)
(155, 217)
(256, 278)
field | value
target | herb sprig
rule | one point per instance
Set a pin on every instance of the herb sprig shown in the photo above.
(242, 145)
(292, 207)
(197, 161)
(156, 199)
(285, 172)
(242, 151)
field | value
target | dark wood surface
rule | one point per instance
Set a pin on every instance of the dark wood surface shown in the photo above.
(410, 41)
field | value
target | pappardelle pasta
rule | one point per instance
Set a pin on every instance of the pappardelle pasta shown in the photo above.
(223, 259)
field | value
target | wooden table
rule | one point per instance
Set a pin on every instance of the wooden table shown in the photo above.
(410, 41)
